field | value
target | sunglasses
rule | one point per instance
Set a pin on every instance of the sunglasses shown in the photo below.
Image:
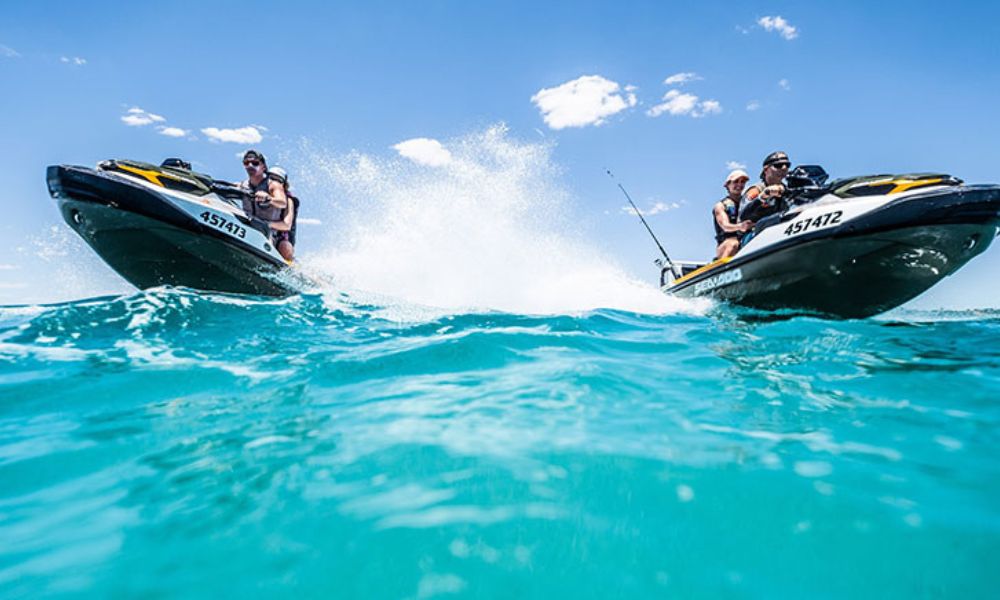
(252, 163)
(781, 165)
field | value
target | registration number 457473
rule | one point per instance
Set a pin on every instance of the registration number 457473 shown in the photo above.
(224, 224)
(816, 222)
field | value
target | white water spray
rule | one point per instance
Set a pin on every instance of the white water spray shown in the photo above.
(490, 228)
(56, 265)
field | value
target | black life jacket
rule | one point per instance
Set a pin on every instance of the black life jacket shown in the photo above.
(295, 216)
(730, 207)
(254, 209)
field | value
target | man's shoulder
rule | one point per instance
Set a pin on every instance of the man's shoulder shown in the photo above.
(753, 191)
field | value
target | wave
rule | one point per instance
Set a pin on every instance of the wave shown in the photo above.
(492, 229)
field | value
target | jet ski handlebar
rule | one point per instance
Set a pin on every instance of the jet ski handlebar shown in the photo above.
(235, 194)
(229, 190)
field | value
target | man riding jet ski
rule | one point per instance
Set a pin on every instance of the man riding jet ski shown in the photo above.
(168, 225)
(851, 248)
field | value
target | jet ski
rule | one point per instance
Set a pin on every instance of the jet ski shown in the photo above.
(168, 225)
(851, 248)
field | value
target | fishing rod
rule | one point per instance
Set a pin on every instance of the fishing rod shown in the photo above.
(670, 263)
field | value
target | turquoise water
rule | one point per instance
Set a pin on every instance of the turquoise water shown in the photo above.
(168, 444)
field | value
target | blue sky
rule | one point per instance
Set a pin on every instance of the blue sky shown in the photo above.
(858, 88)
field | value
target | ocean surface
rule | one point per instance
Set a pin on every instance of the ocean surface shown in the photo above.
(174, 444)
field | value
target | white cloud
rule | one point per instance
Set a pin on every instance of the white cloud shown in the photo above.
(176, 132)
(241, 135)
(780, 25)
(424, 151)
(309, 222)
(588, 100)
(659, 207)
(76, 60)
(679, 104)
(675, 103)
(8, 52)
(783, 84)
(732, 165)
(709, 107)
(7, 267)
(654, 209)
(753, 105)
(681, 78)
(136, 117)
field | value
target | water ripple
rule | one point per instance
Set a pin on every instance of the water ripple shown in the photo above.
(169, 443)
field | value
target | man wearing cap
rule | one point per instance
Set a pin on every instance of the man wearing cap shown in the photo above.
(269, 200)
(727, 228)
(764, 198)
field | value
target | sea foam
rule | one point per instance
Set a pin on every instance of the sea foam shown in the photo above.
(492, 228)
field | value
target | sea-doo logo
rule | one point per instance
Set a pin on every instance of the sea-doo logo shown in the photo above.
(718, 281)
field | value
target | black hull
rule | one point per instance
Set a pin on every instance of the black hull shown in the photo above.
(150, 243)
(865, 268)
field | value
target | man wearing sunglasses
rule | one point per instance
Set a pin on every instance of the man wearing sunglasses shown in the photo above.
(269, 201)
(765, 197)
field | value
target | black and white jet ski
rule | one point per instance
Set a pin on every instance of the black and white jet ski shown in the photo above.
(167, 225)
(851, 248)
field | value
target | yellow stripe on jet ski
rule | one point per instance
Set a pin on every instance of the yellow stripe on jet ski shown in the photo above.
(707, 267)
(903, 185)
(151, 176)
(899, 185)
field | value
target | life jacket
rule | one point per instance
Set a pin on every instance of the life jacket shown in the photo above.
(730, 208)
(295, 216)
(265, 213)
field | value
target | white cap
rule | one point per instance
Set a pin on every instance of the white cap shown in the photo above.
(736, 174)
(279, 174)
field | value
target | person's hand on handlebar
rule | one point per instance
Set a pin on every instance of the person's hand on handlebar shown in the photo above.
(773, 191)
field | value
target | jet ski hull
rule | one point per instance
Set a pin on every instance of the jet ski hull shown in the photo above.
(150, 242)
(868, 265)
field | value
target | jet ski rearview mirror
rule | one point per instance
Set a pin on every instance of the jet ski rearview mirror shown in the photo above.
(807, 176)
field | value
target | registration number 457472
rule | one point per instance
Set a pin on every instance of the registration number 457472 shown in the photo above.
(224, 224)
(816, 222)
